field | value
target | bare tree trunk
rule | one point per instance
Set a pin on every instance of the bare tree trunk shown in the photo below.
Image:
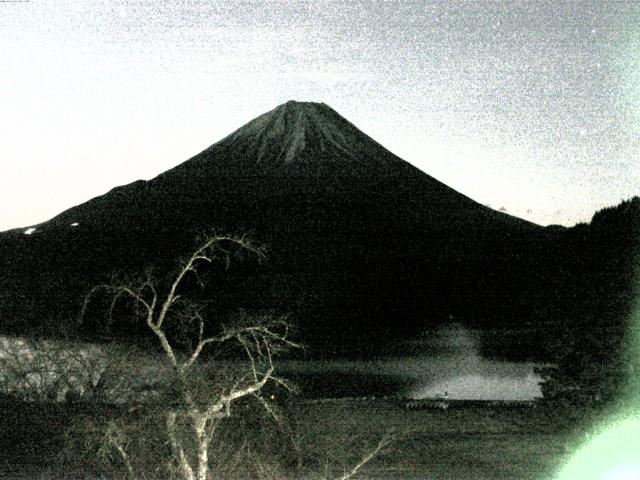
(183, 463)
(203, 446)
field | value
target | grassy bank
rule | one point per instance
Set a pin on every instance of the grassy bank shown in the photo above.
(472, 441)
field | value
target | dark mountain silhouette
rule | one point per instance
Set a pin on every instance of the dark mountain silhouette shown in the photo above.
(294, 152)
(363, 247)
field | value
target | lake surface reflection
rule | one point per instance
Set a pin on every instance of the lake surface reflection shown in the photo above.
(446, 362)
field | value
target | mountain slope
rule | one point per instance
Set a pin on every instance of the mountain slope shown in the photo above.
(297, 148)
(361, 242)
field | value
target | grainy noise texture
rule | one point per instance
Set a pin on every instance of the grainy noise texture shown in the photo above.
(527, 106)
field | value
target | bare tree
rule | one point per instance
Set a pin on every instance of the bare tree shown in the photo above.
(195, 407)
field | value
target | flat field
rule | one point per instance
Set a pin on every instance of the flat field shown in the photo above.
(466, 441)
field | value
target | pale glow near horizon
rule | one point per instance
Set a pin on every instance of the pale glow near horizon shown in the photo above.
(533, 107)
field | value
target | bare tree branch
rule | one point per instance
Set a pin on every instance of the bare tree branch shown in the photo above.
(383, 443)
(176, 446)
(259, 337)
(115, 437)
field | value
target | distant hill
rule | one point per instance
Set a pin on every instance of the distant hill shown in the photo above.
(363, 247)
(596, 285)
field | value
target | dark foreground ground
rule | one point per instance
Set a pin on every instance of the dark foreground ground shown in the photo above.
(466, 441)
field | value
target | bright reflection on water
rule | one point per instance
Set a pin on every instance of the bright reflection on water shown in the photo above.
(450, 364)
(483, 387)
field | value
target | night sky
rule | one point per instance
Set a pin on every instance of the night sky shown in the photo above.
(530, 106)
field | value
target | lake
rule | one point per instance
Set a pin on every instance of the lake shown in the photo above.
(446, 362)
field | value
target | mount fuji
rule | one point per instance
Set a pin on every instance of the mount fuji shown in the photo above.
(363, 246)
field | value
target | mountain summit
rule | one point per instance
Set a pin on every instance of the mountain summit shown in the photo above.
(297, 142)
(295, 131)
